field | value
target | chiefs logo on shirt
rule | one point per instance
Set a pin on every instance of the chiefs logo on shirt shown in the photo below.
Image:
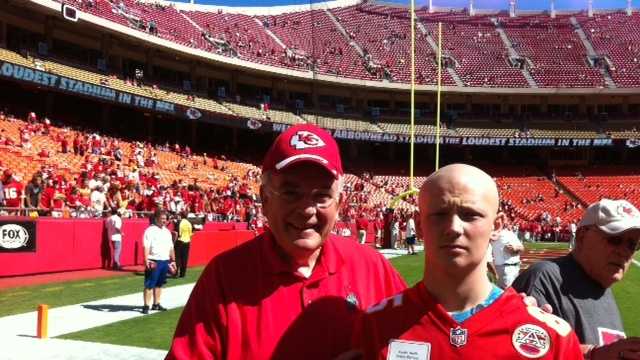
(305, 139)
(531, 341)
(609, 336)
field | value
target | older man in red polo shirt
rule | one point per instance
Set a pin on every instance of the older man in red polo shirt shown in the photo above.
(294, 291)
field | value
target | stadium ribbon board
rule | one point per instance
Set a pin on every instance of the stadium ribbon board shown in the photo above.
(65, 84)
(17, 236)
(467, 140)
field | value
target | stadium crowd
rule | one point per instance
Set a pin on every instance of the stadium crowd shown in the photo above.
(107, 179)
(113, 173)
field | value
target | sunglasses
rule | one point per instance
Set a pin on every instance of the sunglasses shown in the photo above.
(631, 245)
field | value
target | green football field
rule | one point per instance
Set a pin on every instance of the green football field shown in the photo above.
(160, 326)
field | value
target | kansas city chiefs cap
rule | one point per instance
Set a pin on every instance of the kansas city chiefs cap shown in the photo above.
(612, 216)
(305, 142)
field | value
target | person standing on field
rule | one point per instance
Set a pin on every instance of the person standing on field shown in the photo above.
(159, 256)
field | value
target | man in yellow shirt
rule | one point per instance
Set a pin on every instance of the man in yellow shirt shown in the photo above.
(185, 231)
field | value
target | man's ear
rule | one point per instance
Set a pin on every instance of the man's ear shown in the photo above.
(341, 198)
(580, 236)
(264, 199)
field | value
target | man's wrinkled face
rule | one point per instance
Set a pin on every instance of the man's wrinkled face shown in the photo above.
(301, 204)
(606, 258)
(457, 219)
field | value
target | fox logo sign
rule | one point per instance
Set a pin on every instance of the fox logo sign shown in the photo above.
(13, 236)
(305, 139)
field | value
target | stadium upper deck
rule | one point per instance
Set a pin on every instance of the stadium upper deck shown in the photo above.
(371, 42)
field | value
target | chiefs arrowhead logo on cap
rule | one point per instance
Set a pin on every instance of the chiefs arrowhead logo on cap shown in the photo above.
(622, 209)
(304, 142)
(305, 139)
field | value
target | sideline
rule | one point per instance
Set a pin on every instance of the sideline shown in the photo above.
(72, 318)
(17, 332)
(28, 348)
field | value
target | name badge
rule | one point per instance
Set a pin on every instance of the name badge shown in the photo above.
(408, 350)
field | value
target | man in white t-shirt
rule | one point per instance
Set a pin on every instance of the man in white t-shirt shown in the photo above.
(395, 232)
(95, 181)
(572, 229)
(113, 223)
(506, 256)
(410, 237)
(159, 257)
(491, 268)
(98, 199)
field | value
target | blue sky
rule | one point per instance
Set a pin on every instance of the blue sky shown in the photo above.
(480, 4)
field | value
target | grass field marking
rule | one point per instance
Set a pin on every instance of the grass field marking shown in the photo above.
(15, 293)
(111, 281)
(87, 284)
(635, 262)
(55, 288)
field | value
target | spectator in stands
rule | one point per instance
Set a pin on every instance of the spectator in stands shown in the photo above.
(13, 193)
(452, 311)
(153, 28)
(98, 200)
(33, 192)
(578, 285)
(2, 193)
(301, 194)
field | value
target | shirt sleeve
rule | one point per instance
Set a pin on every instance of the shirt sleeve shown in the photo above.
(568, 347)
(530, 283)
(201, 330)
(146, 238)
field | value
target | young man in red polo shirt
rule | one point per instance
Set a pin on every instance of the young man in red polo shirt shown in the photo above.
(294, 291)
(455, 312)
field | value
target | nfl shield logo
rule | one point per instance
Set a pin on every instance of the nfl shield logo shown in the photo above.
(458, 336)
(352, 301)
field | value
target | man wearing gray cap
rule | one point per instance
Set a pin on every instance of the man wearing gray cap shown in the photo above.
(578, 285)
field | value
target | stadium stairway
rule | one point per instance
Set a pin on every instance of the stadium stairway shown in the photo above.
(591, 52)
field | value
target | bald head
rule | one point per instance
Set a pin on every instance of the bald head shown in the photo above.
(457, 179)
(458, 215)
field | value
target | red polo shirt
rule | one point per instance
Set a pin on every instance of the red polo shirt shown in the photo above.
(250, 304)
